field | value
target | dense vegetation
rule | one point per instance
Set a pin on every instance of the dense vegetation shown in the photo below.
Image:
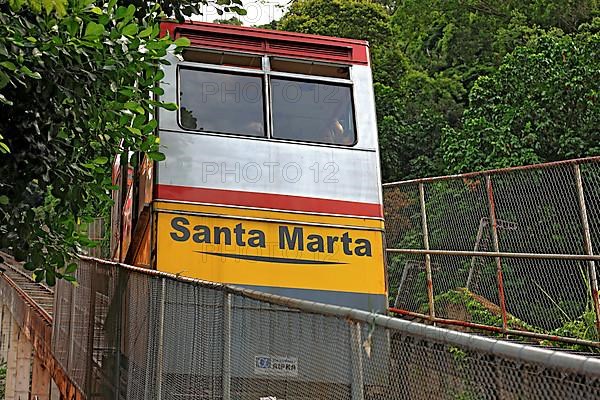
(75, 79)
(471, 84)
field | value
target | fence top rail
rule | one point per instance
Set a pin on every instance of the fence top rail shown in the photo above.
(550, 358)
(495, 171)
(504, 254)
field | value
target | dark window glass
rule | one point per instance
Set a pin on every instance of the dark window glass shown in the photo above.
(221, 102)
(312, 112)
(207, 57)
(309, 68)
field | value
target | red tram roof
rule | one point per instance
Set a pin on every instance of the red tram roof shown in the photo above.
(270, 42)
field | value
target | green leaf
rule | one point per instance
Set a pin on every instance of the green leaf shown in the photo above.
(156, 156)
(35, 75)
(146, 32)
(150, 126)
(169, 106)
(158, 90)
(133, 106)
(8, 65)
(39, 275)
(130, 30)
(50, 277)
(121, 12)
(96, 10)
(71, 268)
(159, 75)
(182, 42)
(100, 160)
(93, 30)
(133, 130)
(29, 266)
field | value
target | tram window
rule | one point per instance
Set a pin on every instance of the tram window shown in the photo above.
(221, 102)
(312, 112)
(310, 68)
(220, 58)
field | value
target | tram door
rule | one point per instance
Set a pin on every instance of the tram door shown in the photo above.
(271, 179)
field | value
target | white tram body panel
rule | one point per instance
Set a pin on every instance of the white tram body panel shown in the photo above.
(210, 160)
(321, 197)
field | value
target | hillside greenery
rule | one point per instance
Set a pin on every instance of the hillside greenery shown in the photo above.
(465, 85)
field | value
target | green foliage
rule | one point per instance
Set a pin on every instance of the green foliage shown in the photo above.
(180, 9)
(2, 380)
(59, 7)
(542, 104)
(412, 107)
(427, 56)
(231, 21)
(584, 327)
(357, 19)
(74, 92)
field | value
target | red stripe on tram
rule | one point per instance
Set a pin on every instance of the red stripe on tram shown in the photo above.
(267, 200)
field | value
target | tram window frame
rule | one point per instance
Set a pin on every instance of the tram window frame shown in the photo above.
(266, 74)
(224, 71)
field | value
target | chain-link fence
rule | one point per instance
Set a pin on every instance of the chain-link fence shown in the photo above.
(508, 250)
(130, 333)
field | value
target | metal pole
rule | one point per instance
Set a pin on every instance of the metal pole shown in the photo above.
(427, 256)
(482, 224)
(587, 243)
(161, 329)
(72, 336)
(227, 346)
(496, 246)
(404, 275)
(119, 276)
(356, 359)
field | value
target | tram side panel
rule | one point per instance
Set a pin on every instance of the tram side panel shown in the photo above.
(275, 186)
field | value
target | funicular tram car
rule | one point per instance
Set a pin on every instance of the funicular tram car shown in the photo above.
(271, 179)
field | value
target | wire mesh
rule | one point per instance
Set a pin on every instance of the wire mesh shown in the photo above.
(175, 338)
(534, 210)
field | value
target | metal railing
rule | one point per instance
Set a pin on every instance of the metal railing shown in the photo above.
(131, 333)
(510, 250)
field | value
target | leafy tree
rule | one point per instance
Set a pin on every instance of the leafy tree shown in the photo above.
(231, 21)
(451, 44)
(411, 106)
(468, 38)
(357, 19)
(73, 93)
(180, 9)
(542, 104)
(48, 6)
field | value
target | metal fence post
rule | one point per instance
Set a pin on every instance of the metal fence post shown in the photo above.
(161, 329)
(427, 256)
(587, 243)
(357, 383)
(227, 346)
(496, 246)
(72, 336)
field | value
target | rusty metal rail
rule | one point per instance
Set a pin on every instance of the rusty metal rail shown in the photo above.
(31, 307)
